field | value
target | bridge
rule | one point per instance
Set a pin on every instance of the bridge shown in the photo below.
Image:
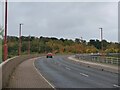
(61, 71)
(79, 71)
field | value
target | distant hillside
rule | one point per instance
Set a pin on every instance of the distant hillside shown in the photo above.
(61, 46)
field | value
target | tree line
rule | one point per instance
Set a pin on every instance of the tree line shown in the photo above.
(59, 46)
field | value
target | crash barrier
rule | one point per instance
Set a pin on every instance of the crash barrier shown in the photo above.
(98, 58)
(9, 66)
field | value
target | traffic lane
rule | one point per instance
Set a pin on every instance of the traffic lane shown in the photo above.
(99, 74)
(67, 76)
(55, 63)
(61, 77)
(102, 77)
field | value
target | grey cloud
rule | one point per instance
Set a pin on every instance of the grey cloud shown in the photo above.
(68, 20)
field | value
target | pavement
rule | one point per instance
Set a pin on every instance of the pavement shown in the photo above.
(27, 76)
(101, 66)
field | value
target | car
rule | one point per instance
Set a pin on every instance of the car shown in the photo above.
(49, 55)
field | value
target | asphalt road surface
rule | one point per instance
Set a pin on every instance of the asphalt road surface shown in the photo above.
(64, 73)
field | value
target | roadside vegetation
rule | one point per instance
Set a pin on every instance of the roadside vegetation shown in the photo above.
(59, 46)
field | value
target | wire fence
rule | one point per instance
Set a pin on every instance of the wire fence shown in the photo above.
(98, 58)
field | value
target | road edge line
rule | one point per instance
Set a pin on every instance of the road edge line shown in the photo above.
(42, 75)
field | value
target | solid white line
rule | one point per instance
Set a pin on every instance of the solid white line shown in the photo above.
(116, 85)
(84, 74)
(43, 76)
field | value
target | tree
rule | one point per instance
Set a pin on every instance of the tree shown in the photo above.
(91, 49)
(112, 48)
(77, 40)
(95, 43)
(61, 39)
(105, 44)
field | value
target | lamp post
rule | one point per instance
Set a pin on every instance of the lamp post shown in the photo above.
(81, 39)
(101, 30)
(20, 41)
(5, 37)
(29, 46)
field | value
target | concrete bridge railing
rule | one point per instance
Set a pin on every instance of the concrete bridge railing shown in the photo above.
(8, 67)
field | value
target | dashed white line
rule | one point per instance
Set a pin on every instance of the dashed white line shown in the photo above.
(84, 74)
(116, 86)
(67, 68)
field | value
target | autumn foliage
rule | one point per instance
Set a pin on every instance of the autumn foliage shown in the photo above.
(59, 46)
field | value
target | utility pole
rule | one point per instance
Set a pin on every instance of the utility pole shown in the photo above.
(5, 37)
(29, 45)
(20, 41)
(101, 30)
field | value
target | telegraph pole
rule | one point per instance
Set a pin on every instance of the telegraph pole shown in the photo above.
(5, 37)
(20, 41)
(101, 30)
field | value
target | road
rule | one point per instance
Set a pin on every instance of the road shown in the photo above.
(64, 73)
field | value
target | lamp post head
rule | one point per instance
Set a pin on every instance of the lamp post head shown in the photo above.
(21, 23)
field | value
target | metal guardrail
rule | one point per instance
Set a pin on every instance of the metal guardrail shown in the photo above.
(98, 58)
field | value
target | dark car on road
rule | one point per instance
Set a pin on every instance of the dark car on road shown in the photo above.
(49, 55)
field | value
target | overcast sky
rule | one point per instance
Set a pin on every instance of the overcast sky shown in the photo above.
(64, 19)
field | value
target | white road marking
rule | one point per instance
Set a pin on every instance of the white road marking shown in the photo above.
(116, 85)
(43, 76)
(84, 74)
(67, 68)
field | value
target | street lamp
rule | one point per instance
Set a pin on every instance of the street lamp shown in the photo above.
(81, 39)
(19, 49)
(29, 46)
(101, 30)
(5, 37)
